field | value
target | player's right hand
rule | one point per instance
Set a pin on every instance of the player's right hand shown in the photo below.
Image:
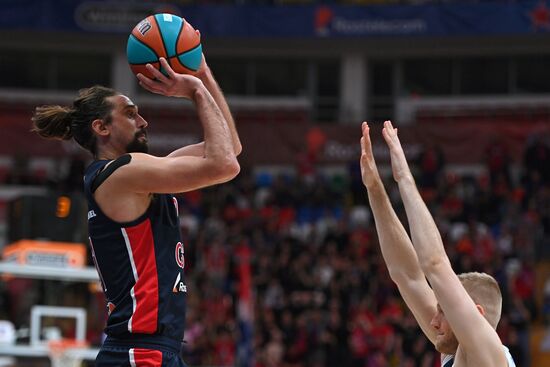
(173, 85)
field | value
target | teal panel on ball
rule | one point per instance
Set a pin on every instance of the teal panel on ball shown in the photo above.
(192, 59)
(169, 26)
(139, 53)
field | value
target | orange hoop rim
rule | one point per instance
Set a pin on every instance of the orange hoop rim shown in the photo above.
(58, 347)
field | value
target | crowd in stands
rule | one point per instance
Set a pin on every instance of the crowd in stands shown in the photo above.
(322, 294)
(320, 290)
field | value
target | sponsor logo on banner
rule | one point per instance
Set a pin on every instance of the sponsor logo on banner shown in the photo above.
(540, 17)
(117, 16)
(330, 23)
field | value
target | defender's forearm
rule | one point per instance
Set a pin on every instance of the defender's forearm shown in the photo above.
(396, 247)
(425, 235)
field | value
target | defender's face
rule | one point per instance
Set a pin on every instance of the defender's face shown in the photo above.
(128, 130)
(445, 340)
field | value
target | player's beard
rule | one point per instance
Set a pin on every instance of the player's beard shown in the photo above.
(138, 144)
(448, 344)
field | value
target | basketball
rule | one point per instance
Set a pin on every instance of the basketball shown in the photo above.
(168, 36)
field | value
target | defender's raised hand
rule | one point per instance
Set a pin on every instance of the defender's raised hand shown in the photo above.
(369, 171)
(400, 167)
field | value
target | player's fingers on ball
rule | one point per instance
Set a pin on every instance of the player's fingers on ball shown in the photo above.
(155, 90)
(167, 67)
(157, 73)
(143, 79)
(147, 82)
(145, 86)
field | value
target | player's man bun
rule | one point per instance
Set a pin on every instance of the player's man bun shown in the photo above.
(61, 122)
(53, 122)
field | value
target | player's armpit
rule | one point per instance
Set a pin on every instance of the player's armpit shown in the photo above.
(150, 174)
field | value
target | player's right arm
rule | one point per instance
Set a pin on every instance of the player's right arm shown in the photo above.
(149, 174)
(397, 249)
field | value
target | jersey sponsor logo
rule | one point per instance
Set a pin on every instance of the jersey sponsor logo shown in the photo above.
(179, 286)
(91, 214)
(180, 255)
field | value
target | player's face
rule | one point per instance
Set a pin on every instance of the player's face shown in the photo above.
(128, 127)
(445, 340)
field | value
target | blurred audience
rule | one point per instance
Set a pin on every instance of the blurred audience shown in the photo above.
(320, 291)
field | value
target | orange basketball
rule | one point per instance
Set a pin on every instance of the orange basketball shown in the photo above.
(168, 36)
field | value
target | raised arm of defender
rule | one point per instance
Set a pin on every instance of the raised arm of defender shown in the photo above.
(479, 343)
(396, 247)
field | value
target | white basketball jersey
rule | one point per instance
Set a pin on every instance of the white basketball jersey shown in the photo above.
(447, 360)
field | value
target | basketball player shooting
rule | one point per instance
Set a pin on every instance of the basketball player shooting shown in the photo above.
(133, 218)
(458, 314)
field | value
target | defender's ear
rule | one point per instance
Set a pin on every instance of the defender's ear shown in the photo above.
(481, 309)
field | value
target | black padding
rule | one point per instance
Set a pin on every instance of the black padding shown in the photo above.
(108, 170)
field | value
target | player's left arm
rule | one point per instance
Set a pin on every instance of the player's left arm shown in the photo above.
(475, 335)
(207, 76)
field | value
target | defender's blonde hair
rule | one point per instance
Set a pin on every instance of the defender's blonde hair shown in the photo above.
(484, 291)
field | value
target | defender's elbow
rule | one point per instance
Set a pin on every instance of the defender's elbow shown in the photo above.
(402, 277)
(433, 264)
(397, 276)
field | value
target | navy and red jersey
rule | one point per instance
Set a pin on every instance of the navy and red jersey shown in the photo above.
(140, 264)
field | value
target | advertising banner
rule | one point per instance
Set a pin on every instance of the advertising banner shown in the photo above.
(280, 21)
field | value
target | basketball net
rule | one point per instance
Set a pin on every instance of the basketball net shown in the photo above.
(58, 351)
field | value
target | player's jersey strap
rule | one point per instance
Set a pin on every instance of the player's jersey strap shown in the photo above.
(141, 252)
(447, 361)
(509, 358)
